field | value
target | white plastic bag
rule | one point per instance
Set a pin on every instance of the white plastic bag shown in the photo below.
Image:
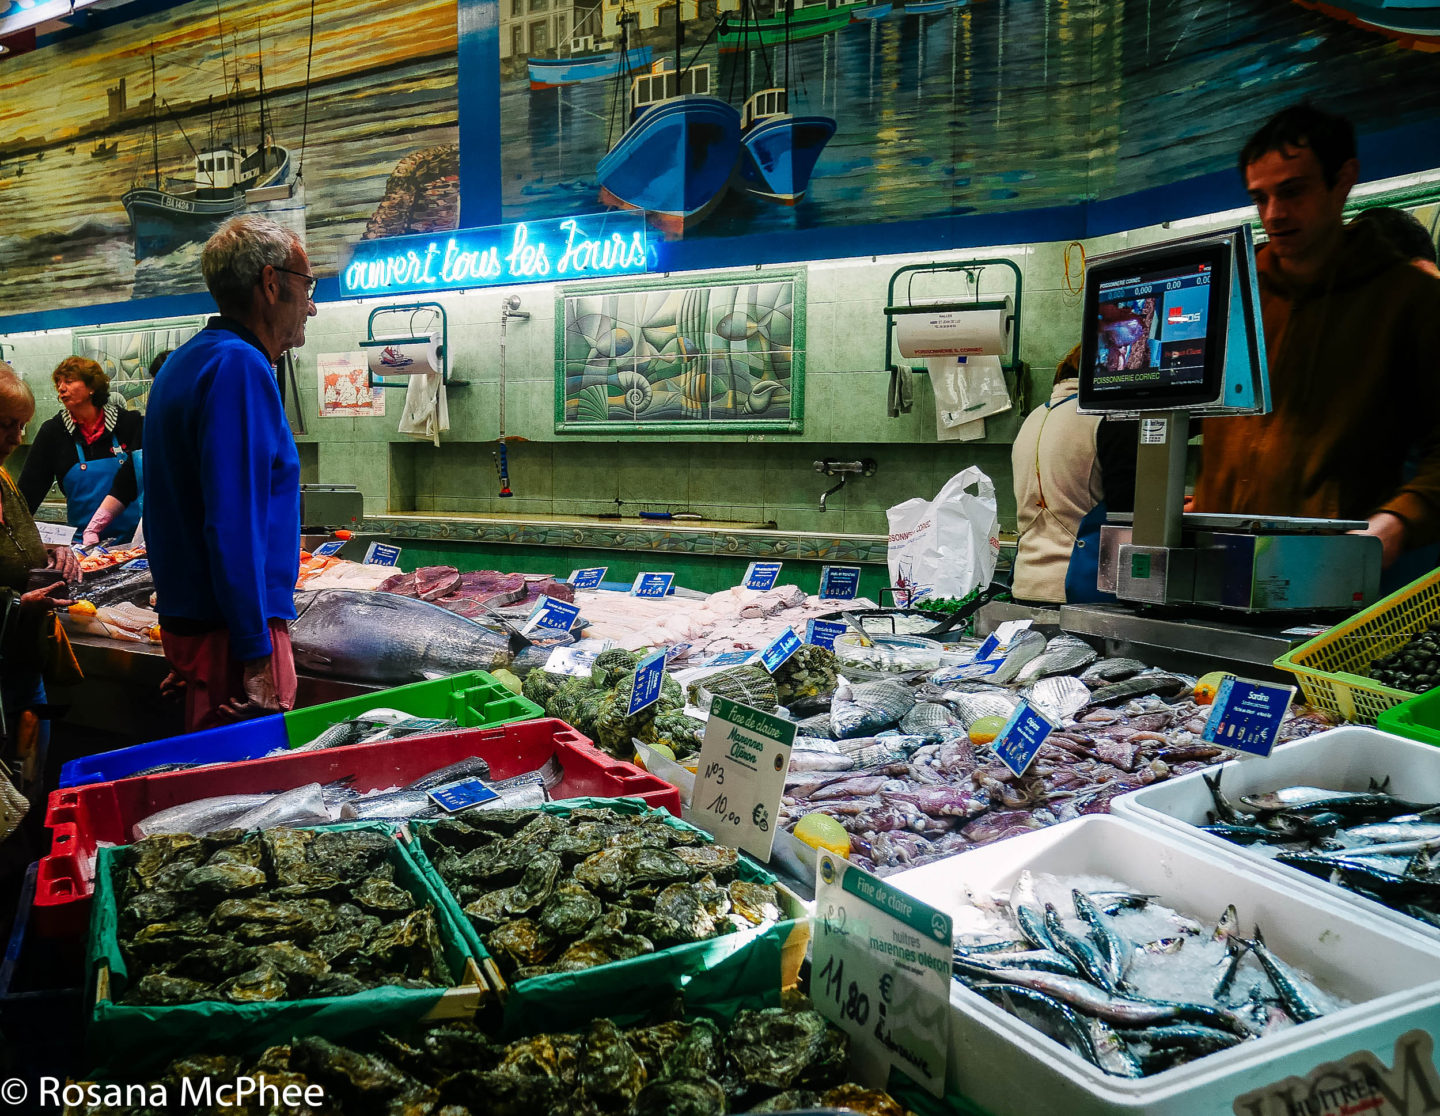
(947, 546)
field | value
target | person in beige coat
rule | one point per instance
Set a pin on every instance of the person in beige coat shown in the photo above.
(1069, 470)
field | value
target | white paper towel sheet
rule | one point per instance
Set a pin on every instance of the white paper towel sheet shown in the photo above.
(955, 332)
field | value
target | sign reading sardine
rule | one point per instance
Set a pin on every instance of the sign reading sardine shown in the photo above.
(588, 247)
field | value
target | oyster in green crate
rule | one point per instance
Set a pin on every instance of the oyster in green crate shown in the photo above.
(714, 860)
(569, 911)
(225, 879)
(378, 894)
(262, 920)
(263, 982)
(157, 988)
(681, 1096)
(780, 1049)
(520, 942)
(757, 904)
(610, 1072)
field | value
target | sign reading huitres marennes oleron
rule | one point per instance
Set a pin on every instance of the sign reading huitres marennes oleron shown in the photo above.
(744, 757)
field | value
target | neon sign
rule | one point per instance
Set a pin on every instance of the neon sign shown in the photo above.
(587, 247)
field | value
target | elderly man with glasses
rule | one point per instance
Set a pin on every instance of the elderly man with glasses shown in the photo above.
(222, 481)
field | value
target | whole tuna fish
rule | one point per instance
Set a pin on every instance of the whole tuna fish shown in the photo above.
(391, 640)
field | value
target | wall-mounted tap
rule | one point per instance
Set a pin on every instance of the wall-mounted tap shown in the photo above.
(830, 467)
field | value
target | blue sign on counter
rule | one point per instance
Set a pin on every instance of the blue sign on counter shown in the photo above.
(648, 677)
(822, 633)
(1022, 736)
(1246, 715)
(137, 564)
(550, 613)
(462, 795)
(785, 645)
(325, 549)
(762, 576)
(652, 584)
(839, 583)
(382, 554)
(676, 651)
(730, 658)
(588, 578)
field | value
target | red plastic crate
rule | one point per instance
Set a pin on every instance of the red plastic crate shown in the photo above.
(80, 818)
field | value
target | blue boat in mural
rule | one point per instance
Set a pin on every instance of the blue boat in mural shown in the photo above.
(1412, 23)
(676, 158)
(547, 73)
(871, 11)
(778, 151)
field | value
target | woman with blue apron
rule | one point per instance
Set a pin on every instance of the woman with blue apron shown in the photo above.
(83, 447)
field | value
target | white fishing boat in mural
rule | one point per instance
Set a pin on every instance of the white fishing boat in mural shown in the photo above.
(188, 207)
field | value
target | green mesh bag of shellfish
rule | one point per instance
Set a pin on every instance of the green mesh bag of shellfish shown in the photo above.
(250, 939)
(606, 907)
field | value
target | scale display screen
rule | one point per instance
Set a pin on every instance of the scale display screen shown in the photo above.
(1156, 330)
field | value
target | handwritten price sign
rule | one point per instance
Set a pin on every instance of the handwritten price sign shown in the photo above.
(882, 974)
(743, 760)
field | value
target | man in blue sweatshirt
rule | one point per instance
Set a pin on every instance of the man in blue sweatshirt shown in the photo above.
(222, 481)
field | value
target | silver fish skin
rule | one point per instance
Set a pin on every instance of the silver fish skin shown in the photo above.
(204, 815)
(805, 759)
(1082, 953)
(397, 804)
(1108, 941)
(1394, 830)
(1059, 697)
(970, 707)
(1057, 1020)
(1064, 654)
(1227, 926)
(1113, 1056)
(1111, 670)
(1294, 798)
(336, 736)
(470, 767)
(1040, 960)
(1024, 648)
(1113, 1009)
(304, 805)
(1032, 925)
(1297, 1004)
(1236, 948)
(388, 639)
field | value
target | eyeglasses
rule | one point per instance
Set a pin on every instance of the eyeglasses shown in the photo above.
(309, 279)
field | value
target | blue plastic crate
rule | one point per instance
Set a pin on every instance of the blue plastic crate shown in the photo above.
(243, 741)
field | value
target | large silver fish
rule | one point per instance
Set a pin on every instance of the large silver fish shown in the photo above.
(1064, 654)
(1111, 670)
(1059, 696)
(388, 639)
(1024, 649)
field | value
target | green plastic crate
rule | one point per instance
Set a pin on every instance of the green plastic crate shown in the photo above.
(474, 699)
(1416, 719)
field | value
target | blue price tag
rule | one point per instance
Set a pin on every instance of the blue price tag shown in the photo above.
(652, 584)
(1022, 736)
(648, 676)
(588, 578)
(550, 613)
(462, 795)
(676, 651)
(325, 549)
(988, 648)
(840, 583)
(785, 645)
(382, 554)
(762, 575)
(822, 633)
(137, 564)
(1247, 715)
(731, 658)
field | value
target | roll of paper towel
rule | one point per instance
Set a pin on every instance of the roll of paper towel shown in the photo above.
(405, 356)
(926, 333)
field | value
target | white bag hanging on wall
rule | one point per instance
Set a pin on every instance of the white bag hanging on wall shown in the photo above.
(947, 546)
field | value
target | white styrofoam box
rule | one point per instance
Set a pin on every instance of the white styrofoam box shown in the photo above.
(1011, 1069)
(1342, 759)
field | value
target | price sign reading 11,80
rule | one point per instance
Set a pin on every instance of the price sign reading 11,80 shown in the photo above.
(881, 968)
(743, 761)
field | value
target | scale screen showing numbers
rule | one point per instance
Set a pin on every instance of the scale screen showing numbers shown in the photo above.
(881, 973)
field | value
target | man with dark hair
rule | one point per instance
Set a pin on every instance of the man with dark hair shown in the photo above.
(1351, 335)
(222, 480)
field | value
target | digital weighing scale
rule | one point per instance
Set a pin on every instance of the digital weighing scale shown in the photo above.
(1172, 331)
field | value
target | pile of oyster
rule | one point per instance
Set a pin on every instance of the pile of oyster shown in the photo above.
(551, 894)
(282, 914)
(773, 1060)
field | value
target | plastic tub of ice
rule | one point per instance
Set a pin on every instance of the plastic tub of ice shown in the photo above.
(1343, 759)
(1391, 977)
(891, 654)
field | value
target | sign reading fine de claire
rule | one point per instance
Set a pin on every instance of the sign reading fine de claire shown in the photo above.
(531, 252)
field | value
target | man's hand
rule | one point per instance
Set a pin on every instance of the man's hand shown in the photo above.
(51, 596)
(172, 686)
(260, 693)
(1390, 530)
(62, 560)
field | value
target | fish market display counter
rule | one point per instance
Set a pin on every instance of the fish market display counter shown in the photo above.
(120, 692)
(1193, 644)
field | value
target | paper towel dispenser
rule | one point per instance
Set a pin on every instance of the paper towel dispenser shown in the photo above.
(953, 329)
(420, 348)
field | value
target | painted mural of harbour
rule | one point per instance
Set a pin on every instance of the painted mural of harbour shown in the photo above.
(987, 106)
(379, 92)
